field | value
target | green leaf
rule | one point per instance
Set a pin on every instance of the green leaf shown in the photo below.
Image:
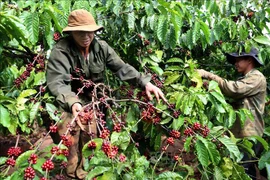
(267, 131)
(171, 79)
(239, 173)
(261, 140)
(219, 96)
(231, 146)
(232, 117)
(226, 167)
(121, 139)
(3, 160)
(177, 123)
(175, 60)
(38, 165)
(27, 92)
(171, 38)
(108, 175)
(51, 109)
(32, 25)
(195, 77)
(159, 71)
(202, 153)
(218, 173)
(212, 150)
(4, 117)
(162, 28)
(23, 158)
(24, 115)
(206, 31)
(34, 111)
(97, 171)
(263, 40)
(169, 175)
(196, 32)
(40, 78)
(187, 144)
(87, 152)
(131, 20)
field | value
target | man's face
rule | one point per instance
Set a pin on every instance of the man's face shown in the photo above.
(83, 38)
(242, 64)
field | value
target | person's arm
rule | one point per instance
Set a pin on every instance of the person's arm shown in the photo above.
(59, 79)
(128, 73)
(237, 89)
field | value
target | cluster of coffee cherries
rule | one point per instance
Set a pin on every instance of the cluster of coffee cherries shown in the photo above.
(56, 36)
(39, 63)
(197, 128)
(13, 153)
(149, 114)
(19, 80)
(109, 149)
(158, 83)
(127, 91)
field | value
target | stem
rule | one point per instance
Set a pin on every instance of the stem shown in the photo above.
(158, 161)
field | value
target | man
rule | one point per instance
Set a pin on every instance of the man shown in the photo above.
(248, 91)
(81, 52)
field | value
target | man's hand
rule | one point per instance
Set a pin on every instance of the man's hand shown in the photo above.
(203, 73)
(150, 88)
(208, 75)
(76, 108)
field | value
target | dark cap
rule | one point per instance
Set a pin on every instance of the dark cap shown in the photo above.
(253, 53)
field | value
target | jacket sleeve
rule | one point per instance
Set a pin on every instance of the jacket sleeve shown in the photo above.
(59, 78)
(123, 70)
(247, 86)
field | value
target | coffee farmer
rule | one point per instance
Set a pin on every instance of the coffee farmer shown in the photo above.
(248, 91)
(81, 49)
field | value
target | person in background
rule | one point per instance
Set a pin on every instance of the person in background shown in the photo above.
(82, 51)
(248, 91)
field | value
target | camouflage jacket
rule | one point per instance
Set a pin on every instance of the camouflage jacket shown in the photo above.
(249, 92)
(65, 59)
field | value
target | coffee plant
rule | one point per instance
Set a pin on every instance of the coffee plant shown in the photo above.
(187, 137)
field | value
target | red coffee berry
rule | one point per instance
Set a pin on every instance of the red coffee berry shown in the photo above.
(175, 134)
(170, 141)
(140, 36)
(196, 126)
(122, 158)
(47, 166)
(32, 159)
(188, 132)
(14, 151)
(43, 178)
(104, 133)
(65, 152)
(92, 145)
(54, 149)
(146, 42)
(10, 162)
(63, 165)
(29, 173)
(176, 158)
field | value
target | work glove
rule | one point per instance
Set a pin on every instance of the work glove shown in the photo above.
(205, 74)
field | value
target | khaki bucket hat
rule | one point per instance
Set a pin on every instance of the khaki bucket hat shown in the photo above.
(81, 20)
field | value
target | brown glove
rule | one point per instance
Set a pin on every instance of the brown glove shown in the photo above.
(208, 75)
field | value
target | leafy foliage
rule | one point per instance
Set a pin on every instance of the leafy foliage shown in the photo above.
(167, 38)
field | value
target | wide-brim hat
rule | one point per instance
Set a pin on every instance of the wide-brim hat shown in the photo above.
(81, 20)
(253, 53)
